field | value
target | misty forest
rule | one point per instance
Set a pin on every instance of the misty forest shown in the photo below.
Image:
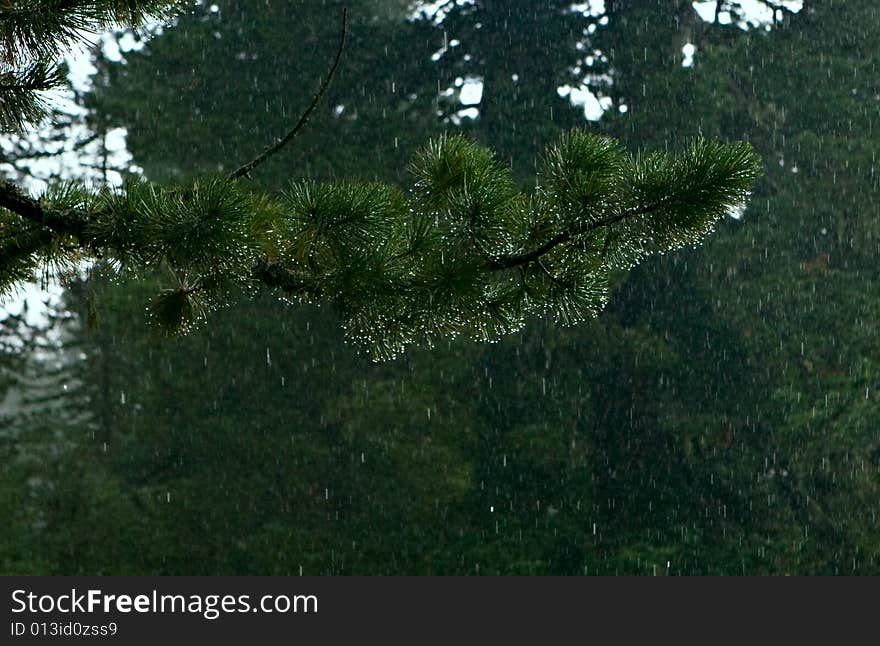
(334, 287)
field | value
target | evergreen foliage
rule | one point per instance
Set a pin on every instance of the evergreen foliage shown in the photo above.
(21, 88)
(719, 418)
(35, 33)
(464, 251)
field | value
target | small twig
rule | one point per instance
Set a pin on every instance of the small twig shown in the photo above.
(508, 262)
(245, 170)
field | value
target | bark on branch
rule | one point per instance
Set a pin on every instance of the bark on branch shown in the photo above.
(245, 170)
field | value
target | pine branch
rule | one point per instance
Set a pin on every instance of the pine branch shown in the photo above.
(14, 200)
(707, 180)
(406, 266)
(246, 169)
(42, 29)
(509, 262)
(20, 99)
(276, 276)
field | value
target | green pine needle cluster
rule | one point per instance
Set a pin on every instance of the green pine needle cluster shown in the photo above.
(34, 34)
(462, 251)
(21, 88)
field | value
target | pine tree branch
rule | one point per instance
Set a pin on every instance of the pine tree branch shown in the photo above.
(245, 170)
(509, 262)
(12, 199)
(41, 29)
(20, 100)
(342, 241)
(275, 276)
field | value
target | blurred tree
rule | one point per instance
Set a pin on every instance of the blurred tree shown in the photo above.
(717, 419)
(798, 321)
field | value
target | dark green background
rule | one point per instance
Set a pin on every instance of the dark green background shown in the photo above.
(719, 418)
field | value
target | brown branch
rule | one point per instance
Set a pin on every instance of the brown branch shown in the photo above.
(245, 170)
(12, 199)
(509, 262)
(275, 276)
